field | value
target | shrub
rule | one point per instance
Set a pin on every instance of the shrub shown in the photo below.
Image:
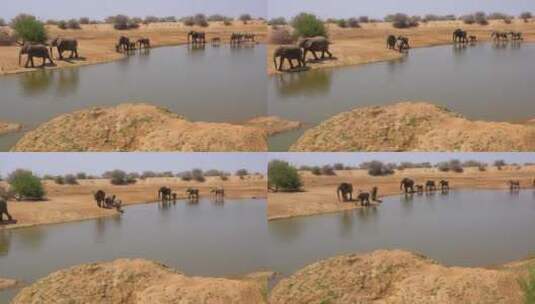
(353, 23)
(401, 20)
(62, 24)
(305, 168)
(81, 175)
(453, 165)
(338, 166)
(2, 22)
(147, 174)
(26, 185)
(51, 22)
(151, 19)
(28, 28)
(47, 177)
(468, 19)
(200, 20)
(186, 176)
(227, 22)
(245, 18)
(481, 18)
(223, 177)
(316, 170)
(70, 179)
(341, 23)
(212, 172)
(364, 19)
(167, 174)
(197, 175)
(378, 168)
(118, 177)
(308, 25)
(84, 20)
(169, 19)
(242, 172)
(526, 16)
(73, 24)
(411, 165)
(528, 286)
(278, 21)
(216, 18)
(327, 170)
(473, 163)
(500, 163)
(283, 177)
(122, 22)
(59, 180)
(281, 36)
(498, 16)
(6, 38)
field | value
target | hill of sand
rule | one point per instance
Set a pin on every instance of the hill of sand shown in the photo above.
(413, 126)
(7, 283)
(367, 44)
(131, 281)
(273, 124)
(7, 127)
(138, 127)
(398, 277)
(97, 41)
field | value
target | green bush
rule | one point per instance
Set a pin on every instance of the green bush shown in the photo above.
(81, 175)
(378, 168)
(353, 23)
(200, 20)
(26, 185)
(70, 179)
(186, 176)
(245, 18)
(339, 166)
(59, 180)
(500, 163)
(341, 23)
(198, 175)
(28, 28)
(316, 170)
(2, 22)
(308, 25)
(528, 287)
(277, 21)
(481, 18)
(119, 177)
(242, 172)
(526, 16)
(283, 177)
(327, 170)
(84, 20)
(73, 24)
(453, 165)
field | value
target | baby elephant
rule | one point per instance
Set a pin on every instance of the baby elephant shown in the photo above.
(288, 53)
(364, 198)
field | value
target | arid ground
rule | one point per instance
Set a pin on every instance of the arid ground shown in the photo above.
(368, 43)
(319, 195)
(8, 127)
(97, 41)
(67, 203)
(399, 277)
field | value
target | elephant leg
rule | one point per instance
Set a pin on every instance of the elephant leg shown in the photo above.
(60, 54)
(291, 63)
(280, 63)
(329, 53)
(315, 55)
(27, 62)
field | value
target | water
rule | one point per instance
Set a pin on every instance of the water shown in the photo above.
(203, 239)
(481, 82)
(220, 84)
(468, 228)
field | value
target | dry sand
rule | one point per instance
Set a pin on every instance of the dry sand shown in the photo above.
(399, 277)
(7, 283)
(8, 127)
(368, 43)
(66, 203)
(273, 124)
(319, 194)
(138, 127)
(413, 126)
(132, 281)
(97, 42)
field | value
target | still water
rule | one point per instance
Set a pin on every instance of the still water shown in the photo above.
(220, 84)
(484, 81)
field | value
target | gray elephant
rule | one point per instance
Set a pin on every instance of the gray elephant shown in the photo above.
(460, 36)
(193, 194)
(123, 44)
(65, 44)
(345, 190)
(403, 43)
(430, 186)
(391, 42)
(444, 185)
(364, 198)
(196, 37)
(407, 184)
(313, 45)
(100, 197)
(288, 53)
(219, 193)
(419, 189)
(3, 210)
(34, 50)
(164, 193)
(514, 185)
(143, 43)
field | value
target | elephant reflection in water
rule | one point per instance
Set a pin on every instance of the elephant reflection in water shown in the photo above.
(68, 80)
(312, 83)
(37, 82)
(5, 241)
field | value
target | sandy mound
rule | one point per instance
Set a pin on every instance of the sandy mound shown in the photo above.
(7, 283)
(395, 277)
(131, 281)
(273, 124)
(413, 126)
(138, 127)
(7, 127)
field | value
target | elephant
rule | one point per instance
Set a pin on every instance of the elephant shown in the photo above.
(250, 37)
(345, 189)
(236, 38)
(430, 186)
(143, 43)
(34, 50)
(444, 185)
(216, 41)
(364, 198)
(288, 53)
(164, 193)
(193, 194)
(3, 210)
(315, 44)
(100, 197)
(514, 185)
(403, 43)
(196, 37)
(498, 36)
(473, 39)
(391, 42)
(123, 43)
(174, 195)
(219, 193)
(374, 193)
(64, 44)
(460, 36)
(407, 184)
(420, 189)
(516, 36)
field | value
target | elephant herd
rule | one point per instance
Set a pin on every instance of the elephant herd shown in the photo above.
(45, 51)
(514, 185)
(504, 36)
(166, 194)
(409, 186)
(344, 192)
(400, 43)
(107, 201)
(126, 44)
(298, 52)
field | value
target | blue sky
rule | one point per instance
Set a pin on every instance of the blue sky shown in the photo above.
(316, 159)
(97, 163)
(98, 9)
(380, 8)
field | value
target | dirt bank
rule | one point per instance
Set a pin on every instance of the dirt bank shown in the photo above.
(66, 203)
(368, 43)
(319, 194)
(413, 126)
(131, 281)
(397, 277)
(97, 41)
(8, 127)
(7, 283)
(273, 124)
(138, 127)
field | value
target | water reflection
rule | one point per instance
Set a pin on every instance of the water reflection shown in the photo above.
(310, 84)
(5, 241)
(34, 83)
(68, 80)
(286, 230)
